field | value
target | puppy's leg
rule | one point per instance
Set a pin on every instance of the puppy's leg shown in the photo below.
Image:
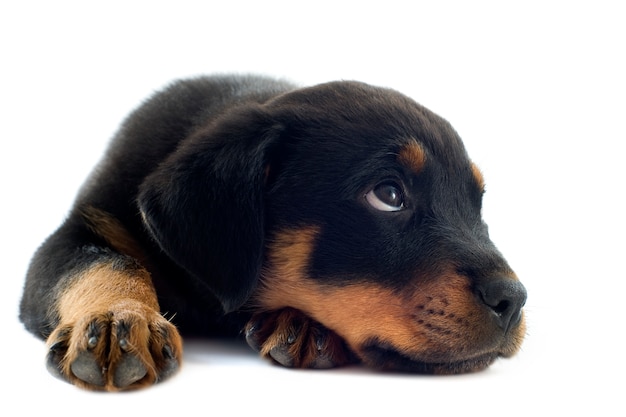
(88, 294)
(110, 334)
(294, 340)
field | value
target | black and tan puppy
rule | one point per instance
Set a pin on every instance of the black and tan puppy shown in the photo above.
(326, 225)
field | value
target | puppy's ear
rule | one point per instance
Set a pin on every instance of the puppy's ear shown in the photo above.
(205, 204)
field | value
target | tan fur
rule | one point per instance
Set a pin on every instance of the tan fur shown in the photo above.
(104, 297)
(102, 287)
(113, 231)
(413, 157)
(478, 176)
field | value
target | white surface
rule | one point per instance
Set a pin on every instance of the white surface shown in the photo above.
(536, 91)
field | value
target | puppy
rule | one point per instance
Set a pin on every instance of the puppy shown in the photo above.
(328, 225)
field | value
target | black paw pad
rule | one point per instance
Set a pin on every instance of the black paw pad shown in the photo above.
(86, 368)
(282, 355)
(129, 369)
(56, 353)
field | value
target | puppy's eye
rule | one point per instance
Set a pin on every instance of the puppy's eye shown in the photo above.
(386, 196)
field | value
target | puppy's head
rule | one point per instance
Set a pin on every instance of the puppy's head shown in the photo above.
(354, 205)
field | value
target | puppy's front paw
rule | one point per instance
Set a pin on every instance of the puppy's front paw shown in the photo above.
(294, 340)
(127, 347)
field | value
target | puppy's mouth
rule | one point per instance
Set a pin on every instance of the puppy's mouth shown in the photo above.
(384, 357)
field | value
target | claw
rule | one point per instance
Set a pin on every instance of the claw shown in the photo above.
(92, 334)
(323, 360)
(92, 342)
(123, 344)
(252, 337)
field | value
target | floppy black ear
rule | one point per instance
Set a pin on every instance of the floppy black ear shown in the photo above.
(205, 204)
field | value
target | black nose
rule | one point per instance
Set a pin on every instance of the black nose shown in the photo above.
(505, 297)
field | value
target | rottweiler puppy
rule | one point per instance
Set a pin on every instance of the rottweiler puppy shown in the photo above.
(328, 225)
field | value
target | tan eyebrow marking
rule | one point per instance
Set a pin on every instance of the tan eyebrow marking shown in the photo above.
(478, 176)
(413, 156)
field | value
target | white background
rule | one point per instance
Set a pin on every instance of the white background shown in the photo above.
(536, 89)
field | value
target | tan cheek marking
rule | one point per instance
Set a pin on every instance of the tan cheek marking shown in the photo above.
(478, 176)
(357, 312)
(413, 157)
(438, 320)
(102, 287)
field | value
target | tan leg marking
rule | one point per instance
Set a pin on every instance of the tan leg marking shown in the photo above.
(113, 231)
(111, 335)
